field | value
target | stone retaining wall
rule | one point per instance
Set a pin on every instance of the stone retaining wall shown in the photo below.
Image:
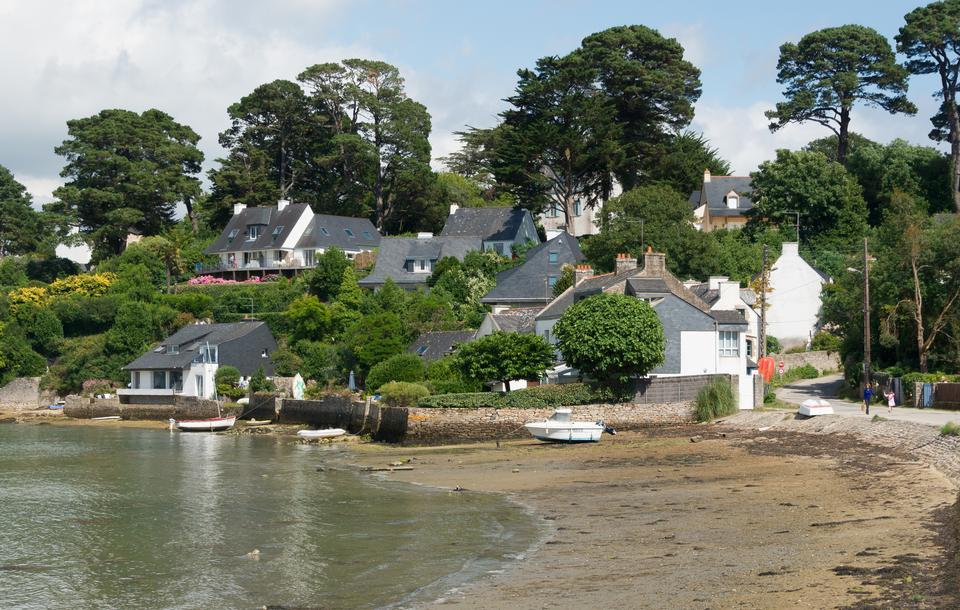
(822, 360)
(437, 425)
(184, 407)
(21, 393)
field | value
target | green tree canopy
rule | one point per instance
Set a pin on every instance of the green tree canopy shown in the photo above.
(611, 337)
(681, 161)
(308, 318)
(402, 367)
(504, 357)
(374, 338)
(126, 171)
(21, 230)
(829, 71)
(325, 278)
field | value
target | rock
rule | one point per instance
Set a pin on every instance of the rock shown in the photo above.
(8, 420)
(515, 470)
(254, 554)
(696, 439)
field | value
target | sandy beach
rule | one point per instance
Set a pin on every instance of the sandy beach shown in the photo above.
(737, 519)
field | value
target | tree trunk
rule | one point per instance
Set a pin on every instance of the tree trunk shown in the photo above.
(954, 119)
(167, 266)
(188, 203)
(568, 197)
(843, 137)
(378, 182)
(506, 384)
(918, 315)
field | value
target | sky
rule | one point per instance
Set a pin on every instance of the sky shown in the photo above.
(192, 59)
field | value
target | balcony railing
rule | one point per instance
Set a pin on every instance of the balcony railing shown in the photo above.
(254, 265)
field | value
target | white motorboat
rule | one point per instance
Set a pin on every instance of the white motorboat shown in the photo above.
(560, 429)
(815, 406)
(328, 433)
(213, 424)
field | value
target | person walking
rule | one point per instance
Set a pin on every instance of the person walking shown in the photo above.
(867, 396)
(891, 400)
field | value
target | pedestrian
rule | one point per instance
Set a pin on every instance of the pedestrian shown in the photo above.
(891, 400)
(867, 395)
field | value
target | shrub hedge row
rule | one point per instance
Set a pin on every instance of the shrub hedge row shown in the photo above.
(563, 395)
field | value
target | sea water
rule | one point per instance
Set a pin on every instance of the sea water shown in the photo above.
(125, 518)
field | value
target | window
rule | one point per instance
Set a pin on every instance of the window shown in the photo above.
(278, 256)
(552, 280)
(576, 208)
(498, 248)
(136, 379)
(546, 334)
(277, 231)
(159, 380)
(176, 381)
(348, 232)
(408, 265)
(199, 383)
(367, 234)
(324, 231)
(553, 212)
(729, 343)
(423, 264)
(309, 230)
(554, 258)
(253, 231)
(421, 350)
(232, 235)
(173, 349)
(308, 260)
(749, 348)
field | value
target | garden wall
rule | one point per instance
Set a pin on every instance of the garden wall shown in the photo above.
(184, 407)
(821, 360)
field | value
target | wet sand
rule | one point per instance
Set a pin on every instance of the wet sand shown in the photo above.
(736, 520)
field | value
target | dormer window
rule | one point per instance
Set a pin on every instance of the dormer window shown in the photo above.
(733, 200)
(253, 232)
(173, 349)
(232, 235)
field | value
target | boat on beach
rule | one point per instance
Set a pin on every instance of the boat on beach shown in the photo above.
(559, 428)
(815, 406)
(327, 433)
(212, 424)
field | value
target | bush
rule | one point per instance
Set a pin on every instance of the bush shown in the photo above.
(773, 345)
(556, 395)
(807, 371)
(260, 383)
(769, 396)
(402, 367)
(226, 380)
(824, 341)
(950, 429)
(402, 393)
(796, 349)
(715, 400)
(82, 315)
(444, 378)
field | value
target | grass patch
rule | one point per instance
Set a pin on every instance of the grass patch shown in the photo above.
(715, 400)
(807, 371)
(950, 429)
(877, 418)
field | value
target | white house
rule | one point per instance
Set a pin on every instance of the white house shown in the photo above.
(186, 362)
(723, 294)
(793, 303)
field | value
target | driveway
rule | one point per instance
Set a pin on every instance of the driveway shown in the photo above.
(826, 387)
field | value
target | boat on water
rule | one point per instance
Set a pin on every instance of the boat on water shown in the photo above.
(815, 406)
(212, 424)
(559, 428)
(327, 433)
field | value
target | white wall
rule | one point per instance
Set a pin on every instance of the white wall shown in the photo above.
(208, 372)
(794, 302)
(298, 228)
(698, 352)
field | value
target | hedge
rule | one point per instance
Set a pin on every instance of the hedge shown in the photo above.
(563, 395)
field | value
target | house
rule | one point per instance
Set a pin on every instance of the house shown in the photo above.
(698, 339)
(186, 362)
(793, 300)
(409, 261)
(519, 320)
(532, 282)
(284, 239)
(435, 345)
(499, 228)
(722, 294)
(586, 220)
(723, 202)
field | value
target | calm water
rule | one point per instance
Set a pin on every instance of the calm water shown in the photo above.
(110, 518)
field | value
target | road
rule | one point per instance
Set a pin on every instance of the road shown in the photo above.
(826, 387)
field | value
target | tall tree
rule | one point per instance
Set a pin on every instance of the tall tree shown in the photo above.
(20, 224)
(244, 176)
(829, 71)
(930, 39)
(682, 161)
(126, 170)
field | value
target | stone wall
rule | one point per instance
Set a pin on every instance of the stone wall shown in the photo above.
(684, 388)
(21, 393)
(821, 360)
(437, 425)
(333, 411)
(184, 407)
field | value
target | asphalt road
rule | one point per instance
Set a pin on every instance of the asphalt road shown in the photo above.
(826, 388)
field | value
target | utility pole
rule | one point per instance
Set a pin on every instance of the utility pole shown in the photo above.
(763, 305)
(866, 315)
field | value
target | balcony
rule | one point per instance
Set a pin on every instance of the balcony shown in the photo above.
(254, 265)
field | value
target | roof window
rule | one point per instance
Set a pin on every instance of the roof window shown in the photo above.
(277, 231)
(324, 231)
(232, 235)
(348, 232)
(367, 235)
(421, 350)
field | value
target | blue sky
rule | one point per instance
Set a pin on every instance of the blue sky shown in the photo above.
(192, 59)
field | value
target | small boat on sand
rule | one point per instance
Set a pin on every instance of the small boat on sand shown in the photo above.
(328, 433)
(815, 406)
(257, 422)
(105, 418)
(560, 429)
(212, 424)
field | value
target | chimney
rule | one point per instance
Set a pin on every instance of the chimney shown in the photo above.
(239, 207)
(625, 262)
(581, 272)
(453, 208)
(424, 235)
(729, 292)
(654, 263)
(706, 176)
(282, 204)
(715, 280)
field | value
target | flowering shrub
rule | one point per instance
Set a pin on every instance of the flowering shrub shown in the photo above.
(204, 280)
(98, 386)
(86, 284)
(28, 296)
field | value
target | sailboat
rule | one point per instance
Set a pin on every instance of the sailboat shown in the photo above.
(211, 424)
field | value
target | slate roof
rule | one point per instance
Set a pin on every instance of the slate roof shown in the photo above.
(394, 251)
(714, 191)
(268, 216)
(724, 316)
(189, 339)
(328, 231)
(704, 292)
(435, 345)
(491, 224)
(528, 282)
(521, 320)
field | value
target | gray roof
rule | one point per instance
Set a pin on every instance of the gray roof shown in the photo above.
(394, 251)
(724, 316)
(521, 320)
(189, 339)
(344, 232)
(704, 291)
(267, 216)
(529, 281)
(437, 344)
(490, 224)
(713, 194)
